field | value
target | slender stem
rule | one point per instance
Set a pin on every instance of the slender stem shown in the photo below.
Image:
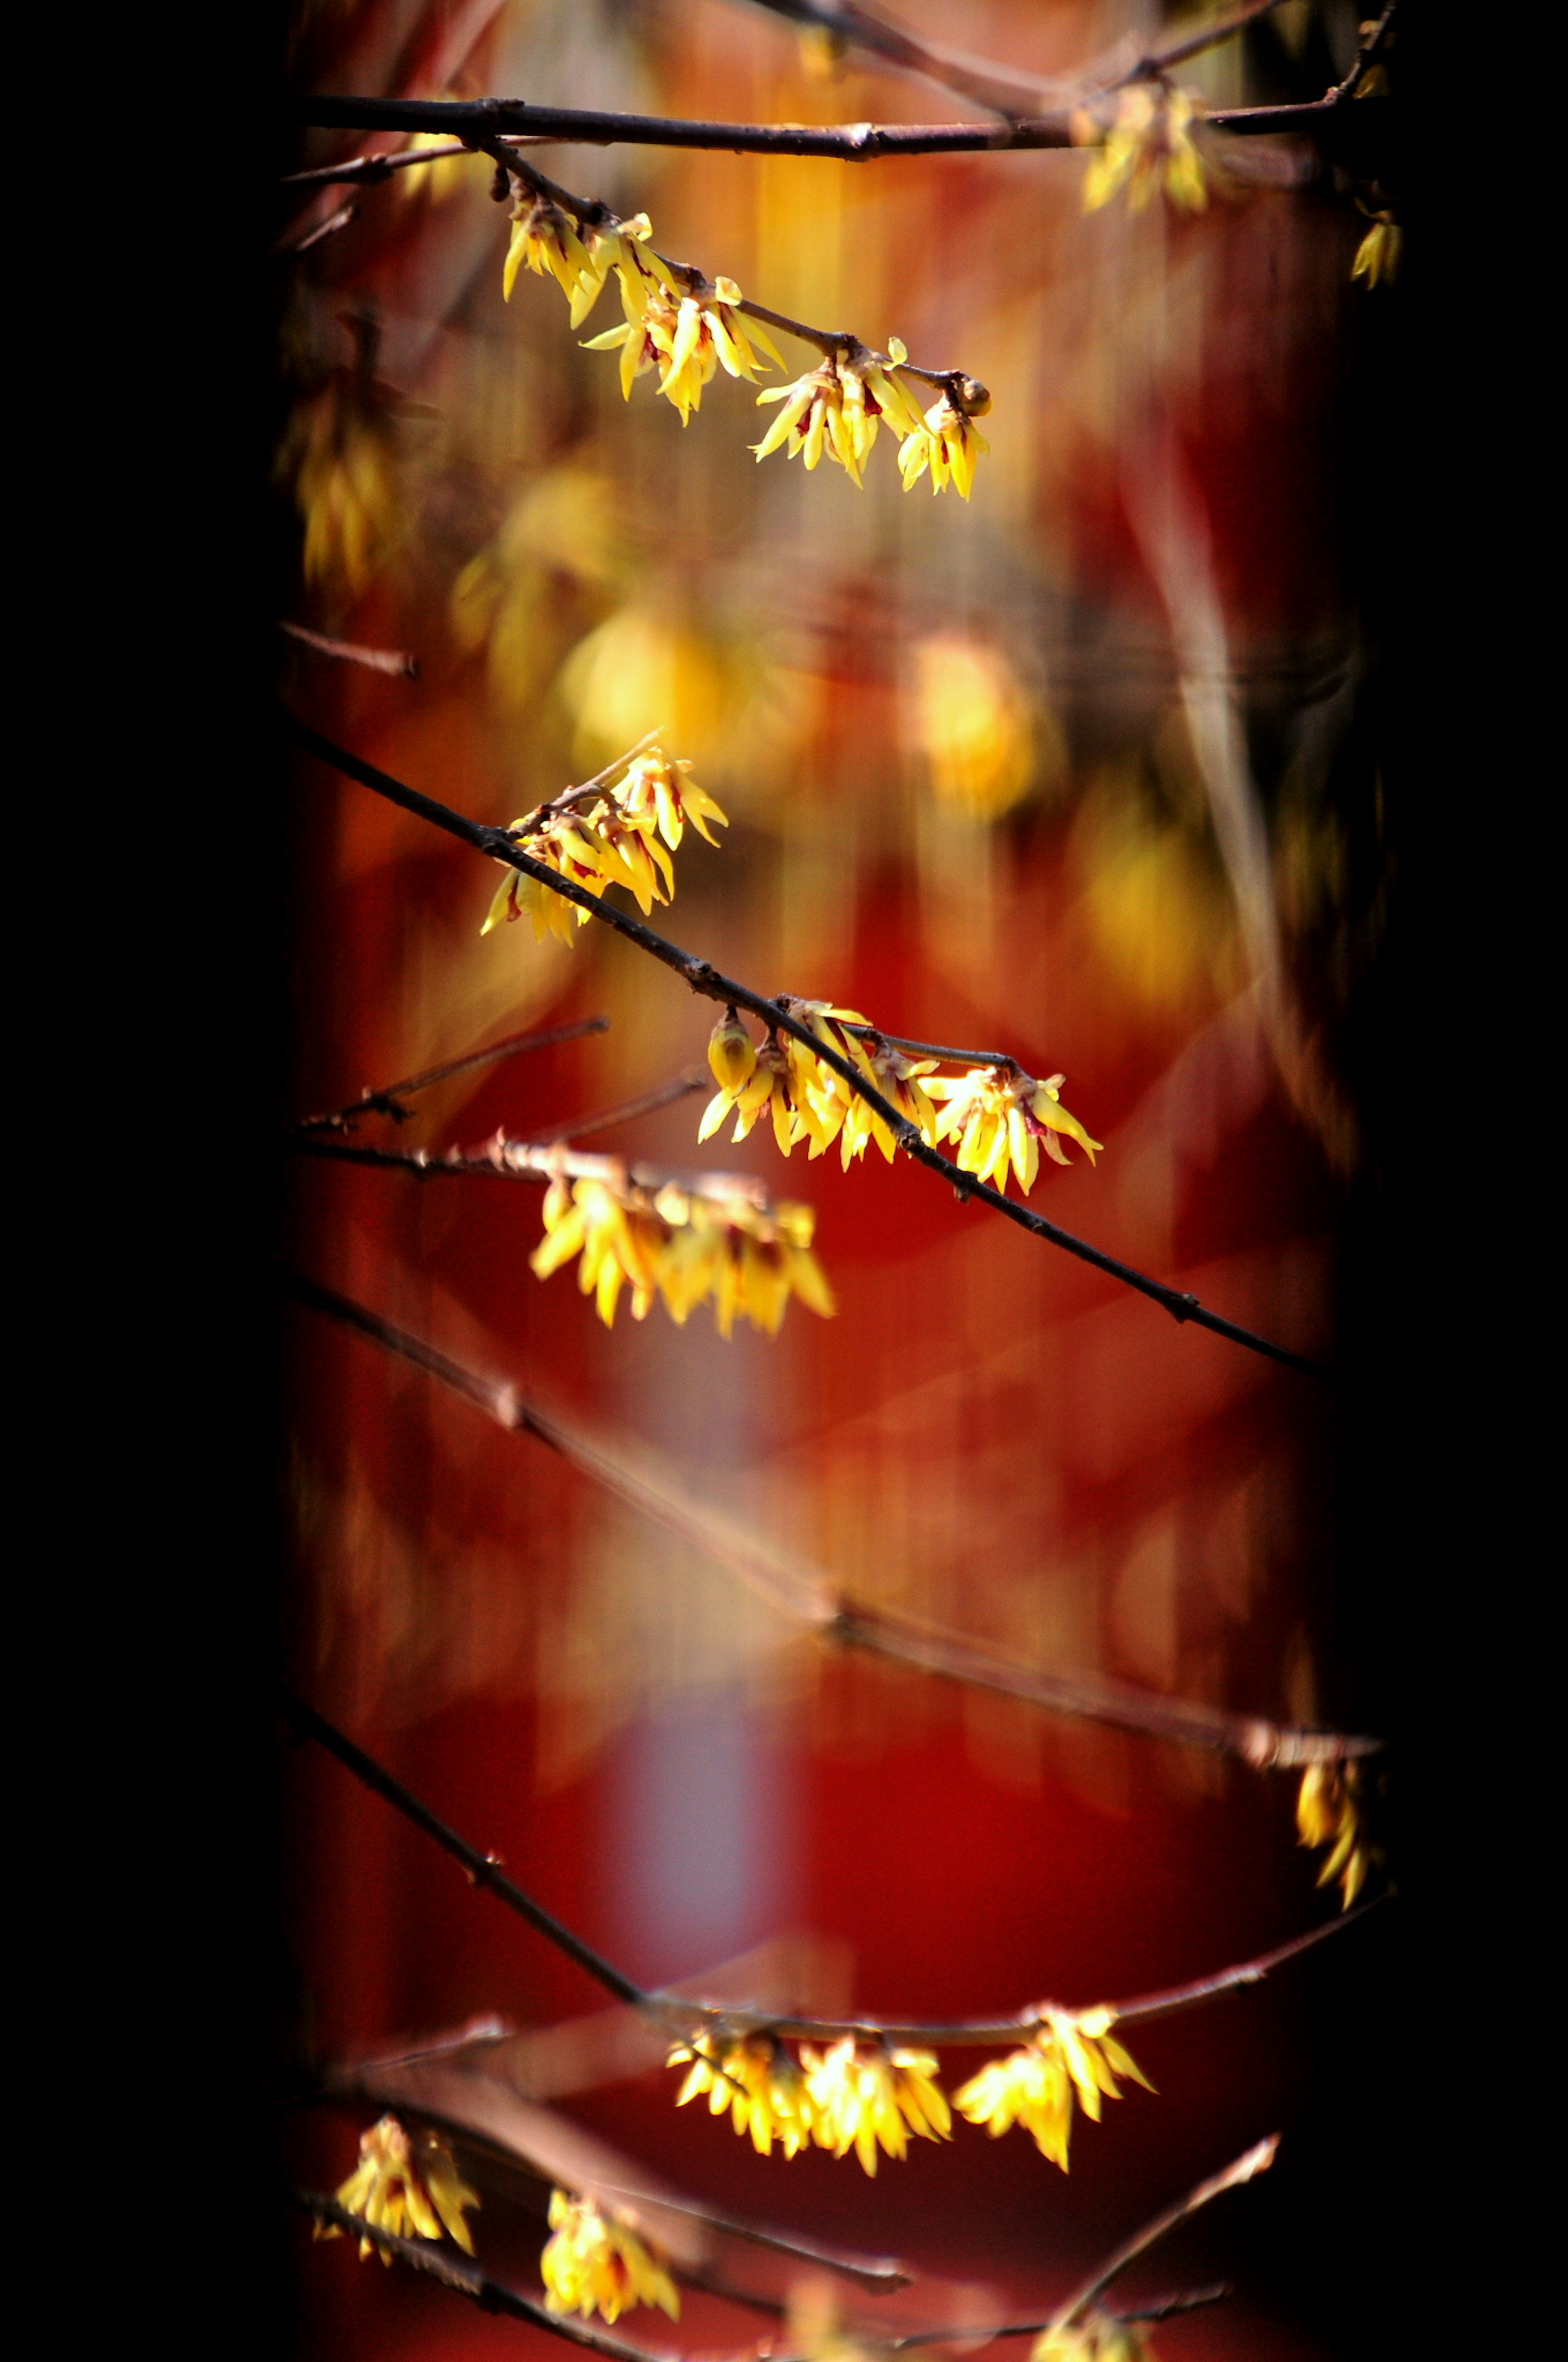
(373, 168)
(808, 1596)
(933, 1049)
(455, 2271)
(589, 788)
(398, 662)
(679, 1086)
(287, 247)
(1159, 2308)
(740, 2017)
(1256, 2160)
(388, 1100)
(483, 1868)
(541, 1161)
(705, 978)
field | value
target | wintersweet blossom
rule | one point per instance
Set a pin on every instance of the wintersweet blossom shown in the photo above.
(898, 1078)
(592, 2263)
(865, 2096)
(613, 840)
(1377, 256)
(1035, 2086)
(838, 408)
(407, 2184)
(682, 1246)
(1001, 1117)
(686, 333)
(1098, 2338)
(757, 2080)
(946, 439)
(1328, 1812)
(1148, 145)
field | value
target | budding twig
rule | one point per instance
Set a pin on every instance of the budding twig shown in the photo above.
(540, 1160)
(389, 1099)
(1256, 2160)
(705, 978)
(679, 2011)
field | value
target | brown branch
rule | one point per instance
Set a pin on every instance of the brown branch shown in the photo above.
(1256, 2160)
(373, 168)
(705, 978)
(541, 1161)
(1159, 2308)
(688, 2012)
(679, 1086)
(809, 1597)
(875, 1034)
(388, 1100)
(398, 662)
(455, 2271)
(287, 247)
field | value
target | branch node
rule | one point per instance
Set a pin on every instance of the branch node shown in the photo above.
(1182, 1307)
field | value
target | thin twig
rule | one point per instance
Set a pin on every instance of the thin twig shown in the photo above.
(679, 1086)
(455, 2271)
(539, 1161)
(874, 1033)
(387, 1099)
(1159, 2308)
(1256, 2160)
(287, 247)
(373, 168)
(808, 1596)
(679, 2010)
(398, 662)
(705, 978)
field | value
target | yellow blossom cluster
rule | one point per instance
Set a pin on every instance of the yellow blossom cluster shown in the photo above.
(594, 2264)
(1377, 256)
(1148, 145)
(856, 2094)
(683, 1245)
(1098, 2337)
(687, 327)
(408, 2185)
(1328, 1812)
(1000, 1116)
(610, 839)
(1035, 2086)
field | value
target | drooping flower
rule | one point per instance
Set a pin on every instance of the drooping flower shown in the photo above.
(408, 2185)
(1149, 145)
(545, 238)
(1035, 2086)
(946, 441)
(593, 2263)
(865, 2096)
(1001, 1117)
(686, 333)
(656, 788)
(614, 840)
(1377, 256)
(732, 1055)
(1328, 1812)
(898, 1078)
(683, 1245)
(757, 2080)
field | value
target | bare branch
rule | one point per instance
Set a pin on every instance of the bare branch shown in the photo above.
(387, 1099)
(373, 168)
(679, 1086)
(455, 2271)
(1159, 2308)
(1256, 2160)
(398, 662)
(539, 1161)
(705, 978)
(286, 247)
(687, 2012)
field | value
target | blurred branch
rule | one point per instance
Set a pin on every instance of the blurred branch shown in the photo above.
(388, 1100)
(287, 246)
(807, 1596)
(541, 1160)
(705, 978)
(687, 2012)
(1255, 2161)
(398, 662)
(1159, 2308)
(679, 1086)
(373, 168)
(453, 2271)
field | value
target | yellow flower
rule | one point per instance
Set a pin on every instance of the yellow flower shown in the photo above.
(1035, 2086)
(898, 1078)
(1149, 143)
(686, 333)
(1098, 2338)
(838, 408)
(546, 238)
(731, 1054)
(1328, 1812)
(409, 2187)
(656, 788)
(685, 1246)
(864, 2096)
(1003, 1116)
(594, 2264)
(1377, 256)
(758, 2082)
(948, 442)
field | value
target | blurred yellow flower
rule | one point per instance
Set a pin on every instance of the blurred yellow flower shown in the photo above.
(1035, 2086)
(340, 449)
(1149, 145)
(683, 1246)
(1328, 1812)
(757, 2080)
(1377, 256)
(1001, 1117)
(408, 2186)
(594, 2264)
(1098, 2338)
(644, 667)
(975, 724)
(864, 2096)
(444, 175)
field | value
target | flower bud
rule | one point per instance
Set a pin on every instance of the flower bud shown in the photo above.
(731, 1053)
